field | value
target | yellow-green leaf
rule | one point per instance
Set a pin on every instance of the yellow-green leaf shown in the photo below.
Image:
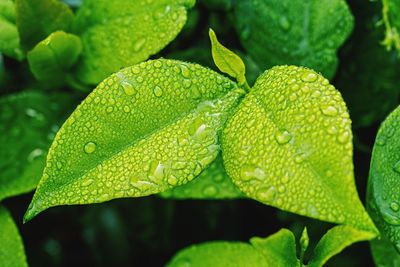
(212, 183)
(227, 61)
(289, 145)
(142, 131)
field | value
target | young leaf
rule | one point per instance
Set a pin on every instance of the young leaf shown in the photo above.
(52, 57)
(12, 252)
(227, 61)
(9, 38)
(305, 33)
(383, 198)
(212, 183)
(304, 242)
(334, 241)
(279, 249)
(220, 254)
(28, 122)
(121, 33)
(142, 131)
(289, 145)
(37, 19)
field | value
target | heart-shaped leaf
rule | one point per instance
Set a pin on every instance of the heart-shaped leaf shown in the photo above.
(28, 123)
(143, 130)
(212, 183)
(52, 57)
(289, 145)
(305, 33)
(121, 33)
(37, 19)
(12, 252)
(383, 198)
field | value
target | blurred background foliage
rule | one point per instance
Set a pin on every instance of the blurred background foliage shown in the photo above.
(149, 231)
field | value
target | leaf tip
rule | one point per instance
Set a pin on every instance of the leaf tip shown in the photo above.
(31, 212)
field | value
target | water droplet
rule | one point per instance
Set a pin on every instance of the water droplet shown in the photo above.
(396, 167)
(89, 147)
(185, 71)
(391, 219)
(139, 44)
(380, 141)
(394, 206)
(157, 91)
(210, 190)
(343, 137)
(179, 165)
(283, 137)
(87, 182)
(156, 170)
(266, 193)
(196, 127)
(172, 180)
(299, 158)
(309, 77)
(158, 64)
(249, 172)
(128, 88)
(284, 23)
(109, 109)
(35, 154)
(329, 111)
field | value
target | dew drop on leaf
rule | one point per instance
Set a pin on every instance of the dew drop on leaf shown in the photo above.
(128, 88)
(283, 137)
(309, 77)
(89, 147)
(157, 91)
(329, 111)
(396, 167)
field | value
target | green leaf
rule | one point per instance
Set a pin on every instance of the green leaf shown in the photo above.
(289, 145)
(391, 21)
(121, 33)
(384, 253)
(305, 33)
(377, 84)
(227, 61)
(220, 254)
(212, 183)
(28, 122)
(279, 249)
(9, 38)
(142, 131)
(334, 241)
(12, 252)
(383, 199)
(304, 242)
(37, 19)
(52, 57)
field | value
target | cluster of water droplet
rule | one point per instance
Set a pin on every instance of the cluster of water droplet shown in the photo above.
(289, 145)
(140, 29)
(142, 130)
(212, 183)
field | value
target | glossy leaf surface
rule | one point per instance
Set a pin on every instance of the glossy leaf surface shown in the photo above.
(289, 145)
(212, 183)
(227, 61)
(137, 29)
(53, 56)
(121, 142)
(383, 198)
(37, 19)
(12, 252)
(305, 33)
